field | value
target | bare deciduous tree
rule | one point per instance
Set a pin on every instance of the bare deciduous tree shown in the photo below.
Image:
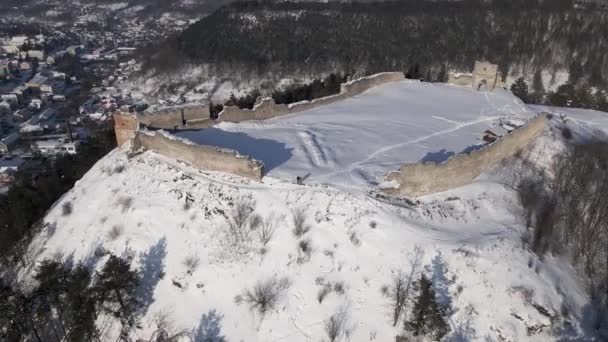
(569, 214)
(402, 284)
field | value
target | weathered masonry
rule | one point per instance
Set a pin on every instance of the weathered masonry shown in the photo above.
(418, 179)
(202, 157)
(127, 127)
(485, 76)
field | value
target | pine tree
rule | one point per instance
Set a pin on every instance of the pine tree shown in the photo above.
(116, 286)
(428, 77)
(443, 74)
(427, 316)
(563, 96)
(520, 89)
(50, 292)
(80, 302)
(413, 72)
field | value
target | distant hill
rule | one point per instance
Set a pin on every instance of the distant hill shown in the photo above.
(253, 40)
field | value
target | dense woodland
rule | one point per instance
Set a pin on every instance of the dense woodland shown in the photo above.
(33, 193)
(565, 210)
(248, 40)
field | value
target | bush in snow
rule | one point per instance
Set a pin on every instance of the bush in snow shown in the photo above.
(304, 251)
(300, 226)
(255, 221)
(339, 287)
(266, 228)
(239, 219)
(191, 262)
(119, 168)
(354, 238)
(66, 208)
(125, 203)
(323, 292)
(335, 326)
(115, 232)
(265, 294)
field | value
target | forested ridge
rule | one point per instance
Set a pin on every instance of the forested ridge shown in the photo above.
(256, 39)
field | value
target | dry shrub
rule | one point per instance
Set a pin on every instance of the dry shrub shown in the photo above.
(323, 292)
(265, 294)
(115, 232)
(238, 220)
(304, 251)
(335, 326)
(66, 208)
(266, 229)
(299, 218)
(191, 262)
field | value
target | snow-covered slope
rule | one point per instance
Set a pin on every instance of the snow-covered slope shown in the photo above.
(355, 142)
(160, 212)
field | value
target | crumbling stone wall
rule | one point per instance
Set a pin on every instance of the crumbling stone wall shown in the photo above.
(418, 179)
(125, 125)
(202, 157)
(175, 116)
(267, 108)
(197, 116)
(461, 79)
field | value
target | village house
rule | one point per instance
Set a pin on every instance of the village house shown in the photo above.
(5, 106)
(9, 166)
(25, 66)
(56, 146)
(37, 81)
(4, 67)
(11, 98)
(9, 142)
(19, 92)
(35, 54)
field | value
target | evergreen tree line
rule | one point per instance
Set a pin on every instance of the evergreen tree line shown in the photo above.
(566, 95)
(330, 85)
(65, 302)
(318, 88)
(33, 192)
(427, 317)
(419, 38)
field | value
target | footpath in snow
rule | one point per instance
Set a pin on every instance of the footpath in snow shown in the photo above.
(355, 142)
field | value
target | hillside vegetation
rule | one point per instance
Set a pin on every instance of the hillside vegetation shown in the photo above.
(248, 40)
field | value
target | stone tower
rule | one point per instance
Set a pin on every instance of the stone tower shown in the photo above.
(125, 125)
(486, 76)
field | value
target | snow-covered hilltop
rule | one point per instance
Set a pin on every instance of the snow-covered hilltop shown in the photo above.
(335, 247)
(354, 142)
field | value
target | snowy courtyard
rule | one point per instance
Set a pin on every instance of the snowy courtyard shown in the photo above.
(355, 142)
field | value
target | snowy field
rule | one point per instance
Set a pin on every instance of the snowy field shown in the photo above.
(158, 213)
(355, 142)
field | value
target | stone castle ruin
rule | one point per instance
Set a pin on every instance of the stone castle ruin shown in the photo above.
(422, 178)
(130, 126)
(485, 76)
(412, 179)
